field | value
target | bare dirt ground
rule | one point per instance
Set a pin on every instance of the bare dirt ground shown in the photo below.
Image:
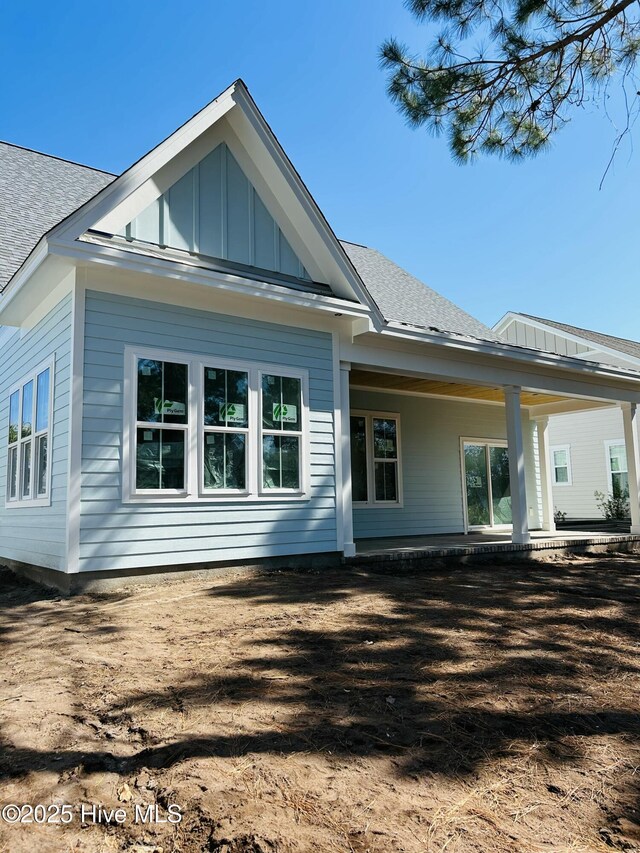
(475, 709)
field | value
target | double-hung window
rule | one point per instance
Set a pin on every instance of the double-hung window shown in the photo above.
(162, 419)
(561, 464)
(29, 439)
(617, 466)
(376, 472)
(208, 429)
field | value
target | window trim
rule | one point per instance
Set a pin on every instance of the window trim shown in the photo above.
(552, 451)
(369, 415)
(608, 444)
(34, 500)
(194, 491)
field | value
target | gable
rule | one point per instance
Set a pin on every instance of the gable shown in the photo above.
(214, 210)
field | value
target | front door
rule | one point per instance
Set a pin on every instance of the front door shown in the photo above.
(487, 485)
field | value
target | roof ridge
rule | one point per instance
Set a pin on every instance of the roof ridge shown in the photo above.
(580, 328)
(55, 157)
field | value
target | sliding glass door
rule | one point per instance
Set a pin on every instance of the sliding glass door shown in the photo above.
(487, 486)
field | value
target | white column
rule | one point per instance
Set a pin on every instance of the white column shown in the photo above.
(630, 419)
(345, 439)
(515, 441)
(546, 476)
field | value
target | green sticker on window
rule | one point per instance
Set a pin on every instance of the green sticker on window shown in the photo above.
(233, 413)
(285, 413)
(168, 407)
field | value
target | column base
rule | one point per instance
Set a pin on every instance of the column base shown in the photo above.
(521, 538)
(349, 549)
(635, 529)
(548, 528)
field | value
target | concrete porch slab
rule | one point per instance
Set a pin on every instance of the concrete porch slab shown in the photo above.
(411, 549)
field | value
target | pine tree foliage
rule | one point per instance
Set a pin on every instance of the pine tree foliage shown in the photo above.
(540, 59)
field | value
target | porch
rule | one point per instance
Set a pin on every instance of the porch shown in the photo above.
(453, 460)
(411, 549)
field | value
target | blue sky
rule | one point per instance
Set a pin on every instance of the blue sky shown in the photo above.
(103, 83)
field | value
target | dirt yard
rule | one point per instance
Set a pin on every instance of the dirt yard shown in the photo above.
(491, 709)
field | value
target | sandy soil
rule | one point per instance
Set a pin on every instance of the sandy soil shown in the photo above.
(491, 709)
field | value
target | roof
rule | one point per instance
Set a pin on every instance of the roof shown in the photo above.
(623, 345)
(402, 297)
(37, 191)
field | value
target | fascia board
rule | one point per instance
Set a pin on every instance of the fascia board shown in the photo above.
(113, 194)
(345, 268)
(169, 268)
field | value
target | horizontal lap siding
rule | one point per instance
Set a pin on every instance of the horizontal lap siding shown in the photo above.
(38, 535)
(114, 535)
(586, 434)
(430, 432)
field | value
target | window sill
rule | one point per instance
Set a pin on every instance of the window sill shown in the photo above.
(229, 498)
(378, 504)
(36, 502)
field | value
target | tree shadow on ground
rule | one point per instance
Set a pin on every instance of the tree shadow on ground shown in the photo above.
(443, 670)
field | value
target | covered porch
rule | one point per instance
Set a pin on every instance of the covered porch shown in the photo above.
(541, 543)
(454, 459)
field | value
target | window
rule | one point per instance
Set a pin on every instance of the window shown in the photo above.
(617, 465)
(281, 431)
(208, 429)
(161, 425)
(226, 427)
(376, 476)
(561, 464)
(28, 446)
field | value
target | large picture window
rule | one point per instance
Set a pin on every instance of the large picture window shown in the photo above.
(211, 429)
(376, 476)
(29, 441)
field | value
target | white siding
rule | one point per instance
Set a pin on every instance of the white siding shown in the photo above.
(522, 334)
(37, 535)
(586, 434)
(114, 535)
(431, 465)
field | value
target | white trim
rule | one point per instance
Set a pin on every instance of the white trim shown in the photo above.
(195, 430)
(608, 444)
(553, 449)
(593, 347)
(370, 415)
(33, 499)
(74, 469)
(484, 442)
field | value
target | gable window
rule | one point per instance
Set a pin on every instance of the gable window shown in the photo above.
(202, 429)
(376, 476)
(617, 467)
(29, 442)
(561, 463)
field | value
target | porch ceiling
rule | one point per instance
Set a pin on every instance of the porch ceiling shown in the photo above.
(413, 385)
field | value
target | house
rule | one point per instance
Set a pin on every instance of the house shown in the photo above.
(197, 372)
(588, 451)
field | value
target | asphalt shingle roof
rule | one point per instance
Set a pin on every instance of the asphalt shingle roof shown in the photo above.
(402, 297)
(623, 345)
(36, 192)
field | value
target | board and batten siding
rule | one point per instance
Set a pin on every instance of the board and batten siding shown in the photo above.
(524, 335)
(586, 434)
(37, 535)
(114, 535)
(430, 433)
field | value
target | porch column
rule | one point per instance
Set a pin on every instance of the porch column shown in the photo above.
(546, 478)
(515, 441)
(630, 419)
(349, 549)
